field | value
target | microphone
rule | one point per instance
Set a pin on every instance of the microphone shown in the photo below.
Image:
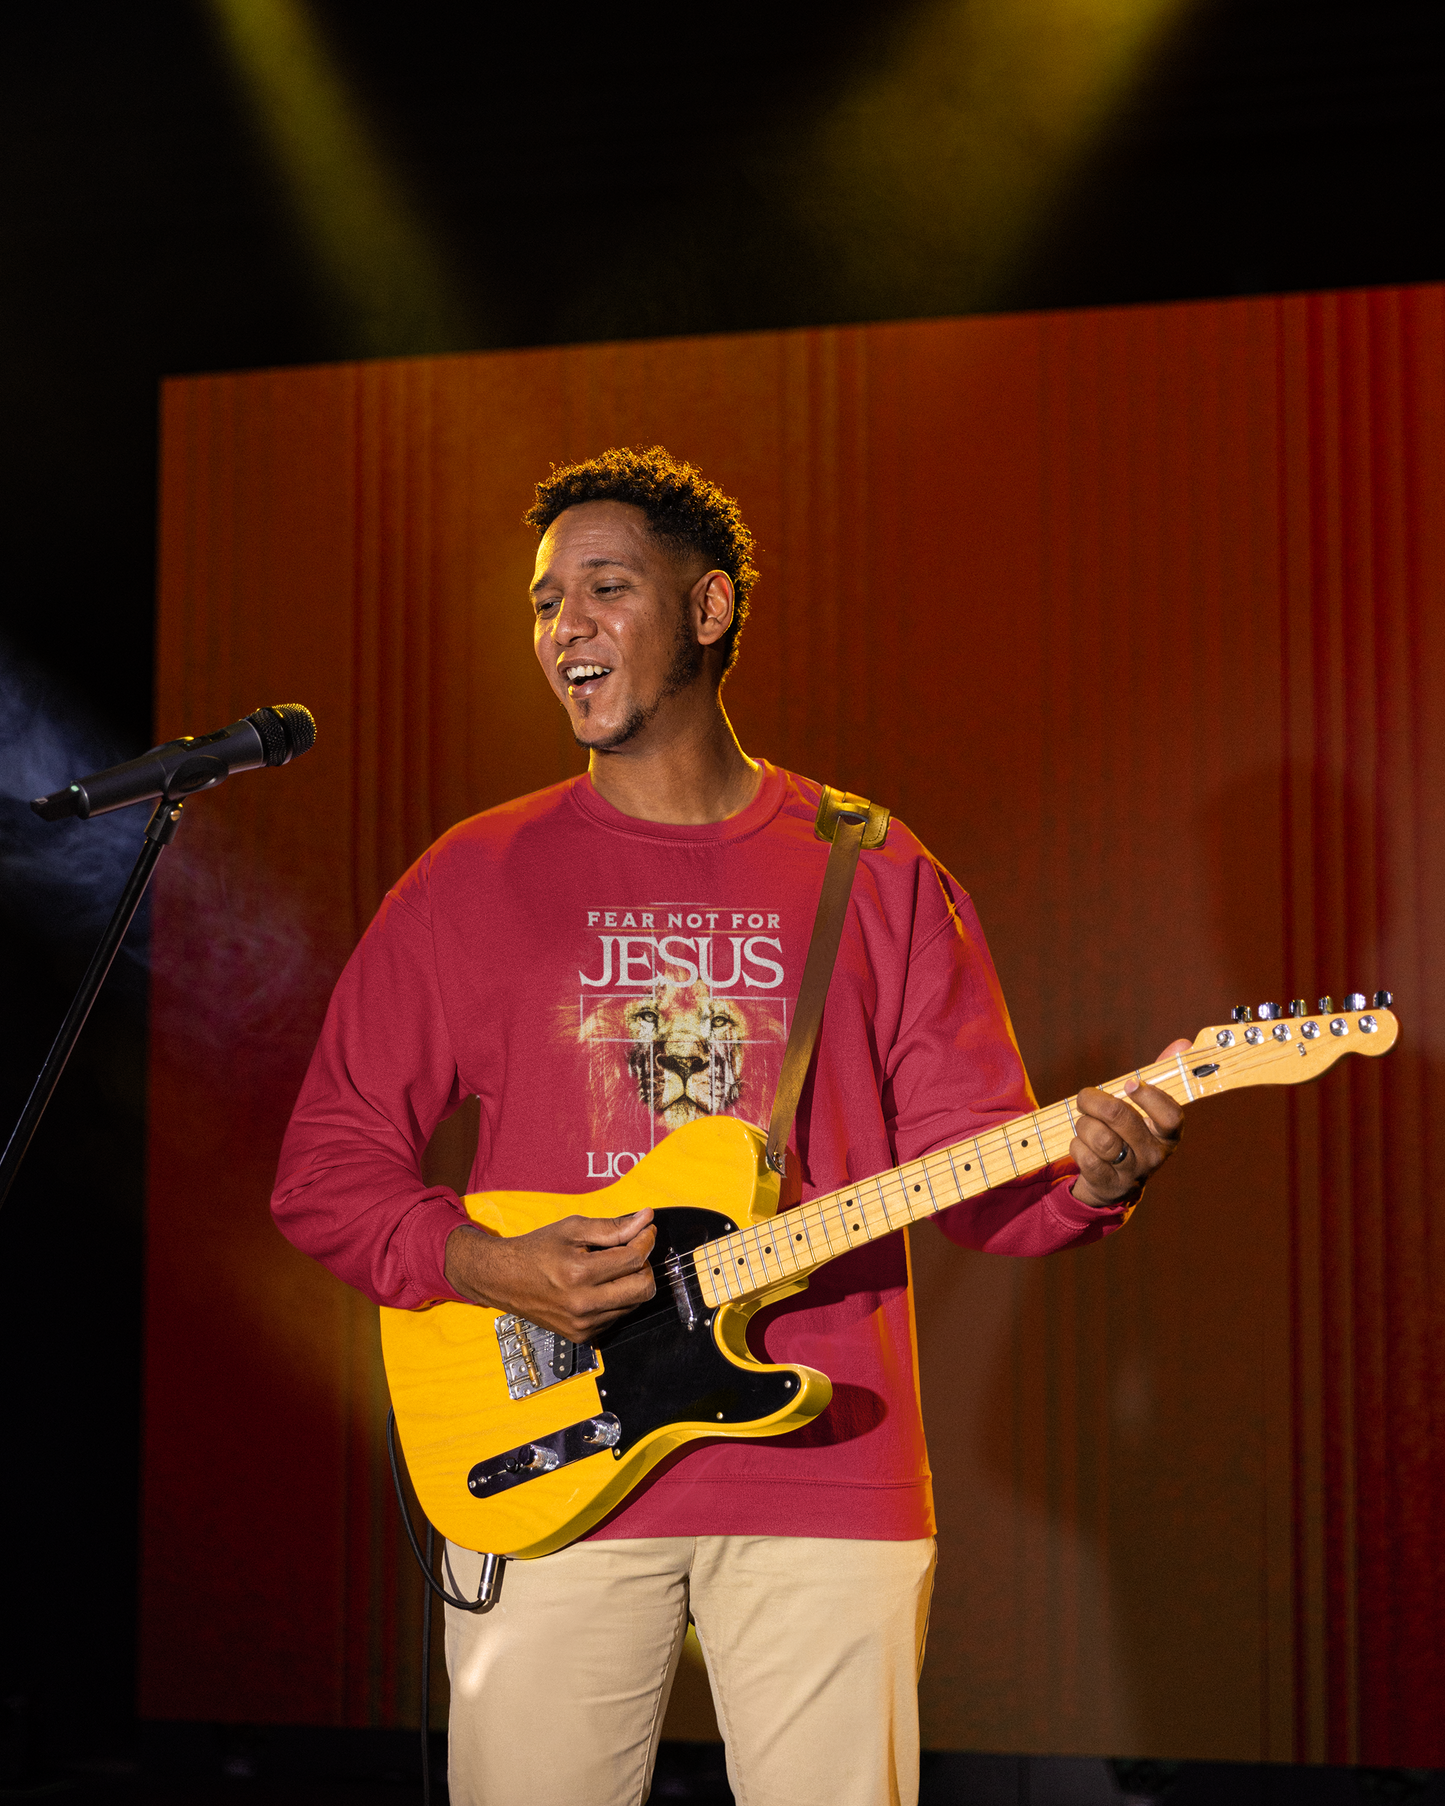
(269, 736)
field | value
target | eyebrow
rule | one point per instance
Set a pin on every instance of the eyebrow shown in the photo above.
(588, 564)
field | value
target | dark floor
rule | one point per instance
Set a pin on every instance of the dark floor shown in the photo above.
(207, 1766)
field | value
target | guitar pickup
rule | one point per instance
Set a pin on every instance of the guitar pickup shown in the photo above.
(532, 1459)
(534, 1358)
(682, 1294)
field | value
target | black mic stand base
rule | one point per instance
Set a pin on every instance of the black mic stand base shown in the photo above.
(160, 832)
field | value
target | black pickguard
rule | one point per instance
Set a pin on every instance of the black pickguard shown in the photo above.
(658, 1372)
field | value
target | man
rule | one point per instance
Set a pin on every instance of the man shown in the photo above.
(599, 963)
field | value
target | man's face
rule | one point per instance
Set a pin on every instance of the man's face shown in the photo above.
(614, 631)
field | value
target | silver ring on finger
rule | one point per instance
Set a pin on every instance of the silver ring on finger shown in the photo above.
(1121, 1156)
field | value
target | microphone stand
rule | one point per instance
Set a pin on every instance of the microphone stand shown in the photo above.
(160, 832)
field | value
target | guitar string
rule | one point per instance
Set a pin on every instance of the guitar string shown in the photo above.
(811, 1213)
(638, 1325)
(993, 1141)
(932, 1165)
(1051, 1118)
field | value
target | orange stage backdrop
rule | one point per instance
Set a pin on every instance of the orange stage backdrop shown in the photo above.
(1136, 617)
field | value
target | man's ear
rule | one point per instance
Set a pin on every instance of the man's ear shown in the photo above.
(712, 601)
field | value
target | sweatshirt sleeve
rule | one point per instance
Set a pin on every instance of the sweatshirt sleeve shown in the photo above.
(955, 1070)
(349, 1190)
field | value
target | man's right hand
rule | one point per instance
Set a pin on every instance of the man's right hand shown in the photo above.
(575, 1277)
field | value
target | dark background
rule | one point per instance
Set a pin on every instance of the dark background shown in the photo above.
(586, 179)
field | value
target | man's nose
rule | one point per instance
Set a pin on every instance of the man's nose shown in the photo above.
(573, 621)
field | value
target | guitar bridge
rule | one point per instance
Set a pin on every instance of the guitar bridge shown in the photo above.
(534, 1358)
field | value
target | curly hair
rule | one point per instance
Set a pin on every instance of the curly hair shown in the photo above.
(685, 513)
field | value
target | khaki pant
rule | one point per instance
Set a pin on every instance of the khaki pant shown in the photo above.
(813, 1648)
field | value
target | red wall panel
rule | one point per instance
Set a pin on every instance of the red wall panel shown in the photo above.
(1129, 615)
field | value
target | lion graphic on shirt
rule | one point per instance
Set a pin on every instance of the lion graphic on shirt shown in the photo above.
(680, 1051)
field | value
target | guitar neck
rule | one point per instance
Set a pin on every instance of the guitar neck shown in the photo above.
(796, 1242)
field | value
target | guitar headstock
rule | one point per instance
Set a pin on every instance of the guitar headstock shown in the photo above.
(1287, 1047)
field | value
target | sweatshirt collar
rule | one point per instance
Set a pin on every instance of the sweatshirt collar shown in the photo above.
(756, 815)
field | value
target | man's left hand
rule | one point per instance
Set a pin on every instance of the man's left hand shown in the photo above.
(1119, 1145)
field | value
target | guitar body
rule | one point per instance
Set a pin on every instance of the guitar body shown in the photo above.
(482, 1413)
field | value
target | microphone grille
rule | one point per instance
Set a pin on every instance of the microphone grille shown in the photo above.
(287, 730)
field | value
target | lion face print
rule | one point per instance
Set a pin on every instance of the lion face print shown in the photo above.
(687, 1052)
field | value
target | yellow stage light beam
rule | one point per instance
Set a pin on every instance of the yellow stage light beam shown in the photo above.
(926, 179)
(388, 285)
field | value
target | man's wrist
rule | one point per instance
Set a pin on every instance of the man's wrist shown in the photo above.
(1127, 1202)
(466, 1264)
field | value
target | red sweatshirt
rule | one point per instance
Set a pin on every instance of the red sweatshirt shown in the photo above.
(596, 981)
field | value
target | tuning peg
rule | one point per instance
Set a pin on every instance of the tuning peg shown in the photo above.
(1270, 1012)
(1240, 1013)
(1356, 1000)
(1383, 999)
(1326, 1005)
(1298, 1007)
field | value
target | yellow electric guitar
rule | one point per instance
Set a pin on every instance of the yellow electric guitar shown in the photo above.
(519, 1441)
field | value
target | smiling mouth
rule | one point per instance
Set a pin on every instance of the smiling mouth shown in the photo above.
(582, 680)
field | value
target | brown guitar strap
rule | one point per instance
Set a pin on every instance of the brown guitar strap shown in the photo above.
(850, 823)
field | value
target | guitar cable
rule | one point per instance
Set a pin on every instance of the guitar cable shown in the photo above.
(425, 1561)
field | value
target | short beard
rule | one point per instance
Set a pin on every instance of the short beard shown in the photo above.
(682, 673)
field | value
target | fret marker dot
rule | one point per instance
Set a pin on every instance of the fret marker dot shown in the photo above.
(797, 1238)
(966, 1167)
(717, 1270)
(918, 1188)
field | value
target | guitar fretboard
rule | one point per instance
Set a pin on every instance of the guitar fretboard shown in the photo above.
(796, 1242)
